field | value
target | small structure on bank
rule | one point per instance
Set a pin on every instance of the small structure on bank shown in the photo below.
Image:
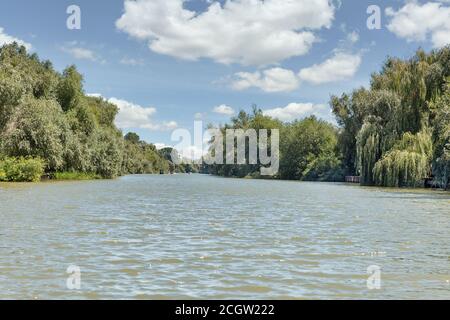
(353, 179)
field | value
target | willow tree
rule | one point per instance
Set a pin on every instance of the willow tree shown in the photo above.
(350, 111)
(368, 150)
(377, 132)
(408, 163)
(393, 127)
(441, 138)
(415, 81)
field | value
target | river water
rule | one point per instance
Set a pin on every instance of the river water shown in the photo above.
(195, 236)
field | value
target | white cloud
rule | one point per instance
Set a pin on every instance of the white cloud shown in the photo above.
(160, 146)
(135, 116)
(421, 22)
(353, 37)
(340, 66)
(250, 32)
(132, 62)
(224, 109)
(132, 115)
(295, 111)
(7, 39)
(81, 53)
(193, 152)
(271, 80)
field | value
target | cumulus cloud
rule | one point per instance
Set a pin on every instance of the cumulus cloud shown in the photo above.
(271, 80)
(132, 115)
(341, 66)
(249, 32)
(7, 39)
(421, 22)
(294, 111)
(224, 109)
(81, 53)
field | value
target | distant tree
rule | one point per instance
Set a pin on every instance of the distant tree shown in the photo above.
(132, 137)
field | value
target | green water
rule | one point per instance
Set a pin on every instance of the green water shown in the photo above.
(194, 236)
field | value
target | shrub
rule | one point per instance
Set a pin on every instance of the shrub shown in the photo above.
(21, 169)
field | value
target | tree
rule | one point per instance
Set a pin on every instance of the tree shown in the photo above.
(308, 151)
(389, 132)
(441, 138)
(70, 88)
(45, 116)
(132, 137)
(37, 128)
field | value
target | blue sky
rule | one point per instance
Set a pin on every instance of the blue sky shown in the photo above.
(166, 62)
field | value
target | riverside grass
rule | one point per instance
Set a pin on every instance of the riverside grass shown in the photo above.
(76, 176)
(32, 170)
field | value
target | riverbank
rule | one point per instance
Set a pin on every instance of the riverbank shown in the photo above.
(81, 176)
(349, 182)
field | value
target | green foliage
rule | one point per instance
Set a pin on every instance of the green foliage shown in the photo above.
(21, 169)
(396, 133)
(70, 88)
(184, 166)
(45, 115)
(369, 150)
(308, 151)
(407, 164)
(36, 128)
(132, 137)
(256, 120)
(103, 111)
(388, 133)
(142, 158)
(73, 175)
(324, 167)
(441, 138)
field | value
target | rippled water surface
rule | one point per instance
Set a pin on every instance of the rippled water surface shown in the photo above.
(193, 236)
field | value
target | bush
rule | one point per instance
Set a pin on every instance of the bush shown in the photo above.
(21, 169)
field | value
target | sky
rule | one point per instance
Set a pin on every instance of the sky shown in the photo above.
(167, 63)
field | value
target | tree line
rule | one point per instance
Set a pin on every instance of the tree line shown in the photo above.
(396, 133)
(50, 127)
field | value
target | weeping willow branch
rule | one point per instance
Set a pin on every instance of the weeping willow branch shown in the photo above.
(368, 150)
(408, 163)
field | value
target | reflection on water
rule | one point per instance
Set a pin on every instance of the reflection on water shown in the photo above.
(156, 237)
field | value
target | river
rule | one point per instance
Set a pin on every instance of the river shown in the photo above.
(196, 236)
